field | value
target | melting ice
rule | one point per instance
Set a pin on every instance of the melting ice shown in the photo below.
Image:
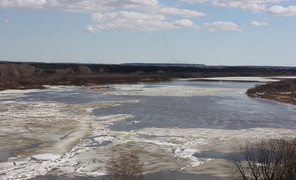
(73, 141)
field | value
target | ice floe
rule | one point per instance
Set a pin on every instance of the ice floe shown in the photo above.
(14, 93)
(75, 142)
(159, 149)
(247, 79)
(180, 91)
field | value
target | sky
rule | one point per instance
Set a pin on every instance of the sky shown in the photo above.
(211, 32)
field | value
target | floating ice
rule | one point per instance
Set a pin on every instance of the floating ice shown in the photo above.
(129, 87)
(74, 139)
(44, 157)
(167, 149)
(247, 79)
(58, 126)
(61, 88)
(14, 93)
(180, 91)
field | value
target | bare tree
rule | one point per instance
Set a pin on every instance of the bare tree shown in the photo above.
(125, 166)
(266, 160)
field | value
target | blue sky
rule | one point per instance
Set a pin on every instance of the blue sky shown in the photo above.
(212, 32)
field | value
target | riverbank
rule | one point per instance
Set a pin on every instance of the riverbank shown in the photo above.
(37, 82)
(284, 98)
(35, 75)
(281, 91)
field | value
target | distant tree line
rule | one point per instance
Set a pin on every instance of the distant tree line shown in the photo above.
(33, 75)
(205, 71)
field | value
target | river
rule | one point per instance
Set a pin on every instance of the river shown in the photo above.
(70, 131)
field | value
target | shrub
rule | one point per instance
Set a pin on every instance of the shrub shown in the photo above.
(288, 85)
(125, 166)
(266, 160)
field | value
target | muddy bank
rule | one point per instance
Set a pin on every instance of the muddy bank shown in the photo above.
(284, 98)
(281, 91)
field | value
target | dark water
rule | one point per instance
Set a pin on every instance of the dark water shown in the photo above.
(223, 111)
(4, 155)
(228, 156)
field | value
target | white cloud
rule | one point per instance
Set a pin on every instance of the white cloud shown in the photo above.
(180, 12)
(23, 4)
(132, 15)
(98, 6)
(135, 21)
(183, 23)
(77, 5)
(282, 11)
(256, 23)
(125, 16)
(222, 26)
(255, 6)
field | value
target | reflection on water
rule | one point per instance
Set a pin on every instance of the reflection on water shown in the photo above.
(220, 112)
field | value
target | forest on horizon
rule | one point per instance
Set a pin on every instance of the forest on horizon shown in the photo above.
(34, 75)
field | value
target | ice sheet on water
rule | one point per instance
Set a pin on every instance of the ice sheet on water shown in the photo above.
(65, 130)
(163, 151)
(61, 88)
(129, 87)
(14, 93)
(178, 91)
(252, 79)
(58, 126)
